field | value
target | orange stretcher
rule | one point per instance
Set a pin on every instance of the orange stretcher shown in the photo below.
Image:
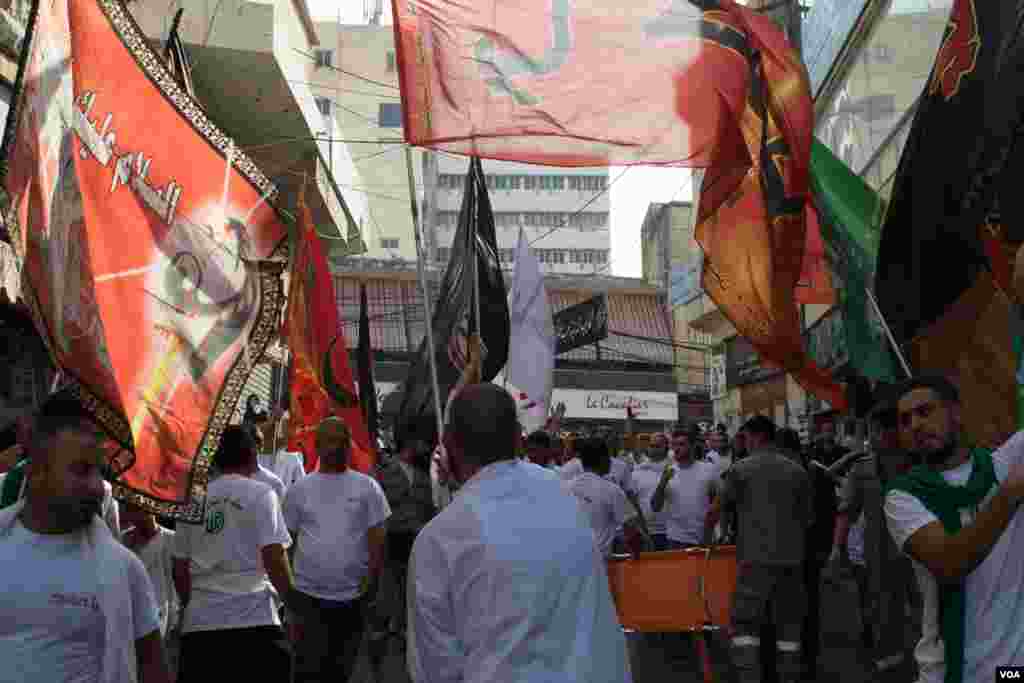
(676, 591)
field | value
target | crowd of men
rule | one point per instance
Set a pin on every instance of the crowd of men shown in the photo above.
(490, 561)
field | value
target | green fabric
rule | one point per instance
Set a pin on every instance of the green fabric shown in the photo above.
(945, 501)
(12, 484)
(851, 214)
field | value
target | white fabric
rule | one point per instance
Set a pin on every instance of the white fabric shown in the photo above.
(157, 558)
(687, 501)
(531, 352)
(109, 510)
(605, 505)
(286, 465)
(73, 607)
(271, 480)
(230, 588)
(620, 472)
(994, 599)
(331, 515)
(506, 584)
(645, 480)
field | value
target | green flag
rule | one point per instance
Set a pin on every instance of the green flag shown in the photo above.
(851, 213)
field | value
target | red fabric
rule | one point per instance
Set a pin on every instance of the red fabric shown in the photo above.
(322, 383)
(141, 275)
(815, 284)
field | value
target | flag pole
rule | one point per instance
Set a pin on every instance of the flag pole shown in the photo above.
(476, 281)
(421, 271)
(888, 332)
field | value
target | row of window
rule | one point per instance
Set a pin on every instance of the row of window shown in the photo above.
(325, 60)
(552, 183)
(535, 219)
(552, 256)
(389, 114)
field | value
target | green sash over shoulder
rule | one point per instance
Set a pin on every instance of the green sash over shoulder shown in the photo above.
(945, 501)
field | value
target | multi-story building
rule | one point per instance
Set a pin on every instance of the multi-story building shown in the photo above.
(564, 212)
(672, 262)
(355, 83)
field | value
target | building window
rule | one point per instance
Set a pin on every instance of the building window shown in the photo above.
(324, 104)
(389, 243)
(881, 54)
(324, 59)
(587, 183)
(443, 254)
(391, 62)
(390, 115)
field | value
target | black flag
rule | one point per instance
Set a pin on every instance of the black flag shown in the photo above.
(367, 388)
(454, 309)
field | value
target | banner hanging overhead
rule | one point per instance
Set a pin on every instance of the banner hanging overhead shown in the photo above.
(145, 241)
(581, 324)
(571, 83)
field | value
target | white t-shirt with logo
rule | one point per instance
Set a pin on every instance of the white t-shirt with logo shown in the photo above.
(994, 622)
(271, 480)
(230, 588)
(605, 505)
(288, 466)
(331, 514)
(687, 501)
(645, 479)
(52, 627)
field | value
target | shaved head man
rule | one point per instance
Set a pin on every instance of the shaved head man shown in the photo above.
(499, 578)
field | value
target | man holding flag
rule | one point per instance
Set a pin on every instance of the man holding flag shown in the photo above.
(955, 515)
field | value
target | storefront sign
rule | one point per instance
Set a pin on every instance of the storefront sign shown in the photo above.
(611, 405)
(719, 385)
(743, 364)
(582, 324)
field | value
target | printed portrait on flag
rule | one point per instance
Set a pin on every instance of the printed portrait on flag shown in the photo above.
(151, 253)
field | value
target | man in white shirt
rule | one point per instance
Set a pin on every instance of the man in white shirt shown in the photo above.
(227, 570)
(604, 503)
(78, 605)
(620, 472)
(685, 493)
(337, 516)
(506, 583)
(716, 454)
(541, 450)
(264, 474)
(646, 477)
(956, 516)
(286, 465)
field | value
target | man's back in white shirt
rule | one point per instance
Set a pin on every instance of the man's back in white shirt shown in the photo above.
(230, 588)
(605, 505)
(620, 473)
(506, 584)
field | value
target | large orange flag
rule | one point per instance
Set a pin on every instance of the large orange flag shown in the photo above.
(321, 380)
(147, 243)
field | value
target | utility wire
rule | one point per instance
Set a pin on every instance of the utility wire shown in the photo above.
(348, 73)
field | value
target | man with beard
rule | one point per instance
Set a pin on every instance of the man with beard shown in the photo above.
(646, 477)
(79, 605)
(685, 492)
(955, 515)
(884, 576)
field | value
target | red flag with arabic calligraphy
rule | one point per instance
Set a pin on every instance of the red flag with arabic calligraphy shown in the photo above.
(322, 383)
(697, 83)
(147, 244)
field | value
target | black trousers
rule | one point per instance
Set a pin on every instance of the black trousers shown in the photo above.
(331, 633)
(217, 655)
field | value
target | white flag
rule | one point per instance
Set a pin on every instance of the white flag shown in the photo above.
(531, 355)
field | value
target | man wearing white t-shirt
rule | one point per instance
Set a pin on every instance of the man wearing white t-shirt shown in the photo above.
(646, 477)
(604, 503)
(286, 465)
(227, 569)
(955, 515)
(619, 472)
(77, 605)
(684, 493)
(338, 518)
